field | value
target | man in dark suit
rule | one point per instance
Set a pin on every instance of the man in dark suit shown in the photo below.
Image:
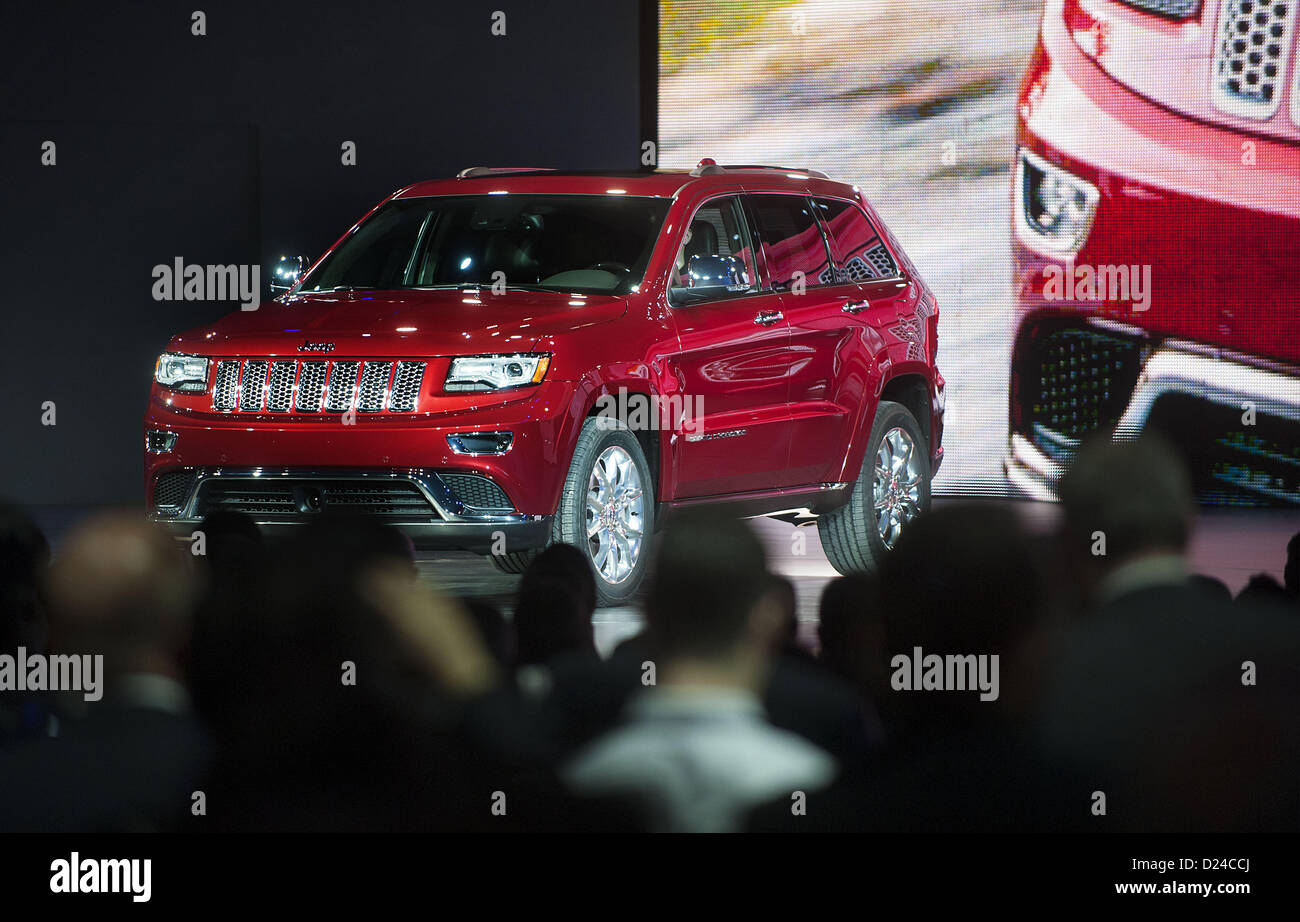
(131, 759)
(1181, 707)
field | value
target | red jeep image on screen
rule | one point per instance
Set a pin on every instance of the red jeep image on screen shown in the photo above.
(1156, 214)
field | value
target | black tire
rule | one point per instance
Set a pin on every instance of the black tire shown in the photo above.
(570, 526)
(850, 535)
(514, 563)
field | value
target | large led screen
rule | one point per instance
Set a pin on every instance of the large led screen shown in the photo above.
(1104, 194)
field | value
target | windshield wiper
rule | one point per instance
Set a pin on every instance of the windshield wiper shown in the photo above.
(474, 286)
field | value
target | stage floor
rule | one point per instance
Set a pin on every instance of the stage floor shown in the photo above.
(1231, 544)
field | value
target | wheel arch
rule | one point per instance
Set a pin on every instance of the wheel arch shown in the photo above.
(597, 391)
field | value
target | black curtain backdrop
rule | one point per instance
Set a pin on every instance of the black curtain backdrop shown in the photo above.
(227, 148)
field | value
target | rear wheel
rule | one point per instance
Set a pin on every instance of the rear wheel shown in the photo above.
(892, 489)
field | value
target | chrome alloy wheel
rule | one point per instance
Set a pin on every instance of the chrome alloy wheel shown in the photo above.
(615, 515)
(896, 486)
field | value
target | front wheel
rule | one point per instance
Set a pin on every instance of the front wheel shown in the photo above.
(607, 508)
(892, 489)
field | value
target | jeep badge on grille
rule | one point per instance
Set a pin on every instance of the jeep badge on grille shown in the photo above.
(309, 346)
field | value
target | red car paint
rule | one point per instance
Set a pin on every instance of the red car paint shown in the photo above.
(1207, 198)
(803, 391)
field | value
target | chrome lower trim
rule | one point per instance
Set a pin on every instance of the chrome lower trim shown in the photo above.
(448, 507)
(1185, 368)
(1176, 367)
(1029, 470)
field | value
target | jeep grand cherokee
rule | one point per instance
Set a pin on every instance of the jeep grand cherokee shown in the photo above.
(474, 360)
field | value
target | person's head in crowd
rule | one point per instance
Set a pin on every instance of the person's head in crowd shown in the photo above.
(1211, 586)
(123, 588)
(1291, 572)
(710, 611)
(786, 598)
(295, 599)
(638, 646)
(962, 582)
(851, 633)
(567, 564)
(695, 751)
(231, 541)
(319, 654)
(554, 607)
(1264, 589)
(24, 559)
(493, 629)
(1128, 506)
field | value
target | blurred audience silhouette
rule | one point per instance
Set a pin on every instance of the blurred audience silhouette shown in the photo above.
(128, 754)
(1157, 688)
(695, 750)
(987, 677)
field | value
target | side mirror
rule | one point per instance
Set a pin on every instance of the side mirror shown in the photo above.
(287, 271)
(711, 276)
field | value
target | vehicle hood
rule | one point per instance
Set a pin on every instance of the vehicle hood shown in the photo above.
(400, 323)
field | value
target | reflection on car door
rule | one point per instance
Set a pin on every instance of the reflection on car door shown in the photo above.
(733, 363)
(826, 378)
(875, 298)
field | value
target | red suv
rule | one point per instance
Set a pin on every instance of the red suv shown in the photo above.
(1156, 233)
(517, 357)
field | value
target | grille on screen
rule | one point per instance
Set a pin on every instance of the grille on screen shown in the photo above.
(1174, 9)
(1253, 40)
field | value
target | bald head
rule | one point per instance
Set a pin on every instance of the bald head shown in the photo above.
(122, 587)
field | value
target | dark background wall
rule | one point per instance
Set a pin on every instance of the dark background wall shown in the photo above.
(226, 148)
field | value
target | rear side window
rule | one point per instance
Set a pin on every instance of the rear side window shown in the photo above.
(860, 253)
(791, 240)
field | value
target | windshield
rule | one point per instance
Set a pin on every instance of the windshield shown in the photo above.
(598, 244)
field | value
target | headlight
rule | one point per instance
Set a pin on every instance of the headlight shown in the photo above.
(188, 373)
(494, 372)
(1054, 208)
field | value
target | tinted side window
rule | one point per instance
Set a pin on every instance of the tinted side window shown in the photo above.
(860, 254)
(791, 240)
(716, 229)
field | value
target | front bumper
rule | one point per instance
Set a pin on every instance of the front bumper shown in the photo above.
(530, 470)
(1237, 418)
(419, 503)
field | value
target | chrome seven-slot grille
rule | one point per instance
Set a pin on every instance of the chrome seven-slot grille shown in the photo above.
(277, 386)
(1250, 56)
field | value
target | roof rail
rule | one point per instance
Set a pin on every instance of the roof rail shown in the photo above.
(474, 172)
(709, 167)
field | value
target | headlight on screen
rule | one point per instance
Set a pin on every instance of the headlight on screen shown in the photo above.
(188, 373)
(1055, 208)
(495, 372)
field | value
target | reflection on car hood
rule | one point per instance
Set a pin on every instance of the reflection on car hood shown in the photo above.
(408, 322)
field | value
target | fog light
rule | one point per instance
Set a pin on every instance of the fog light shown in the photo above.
(159, 441)
(1054, 208)
(480, 443)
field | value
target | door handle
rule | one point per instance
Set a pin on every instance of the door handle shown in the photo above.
(854, 307)
(767, 318)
